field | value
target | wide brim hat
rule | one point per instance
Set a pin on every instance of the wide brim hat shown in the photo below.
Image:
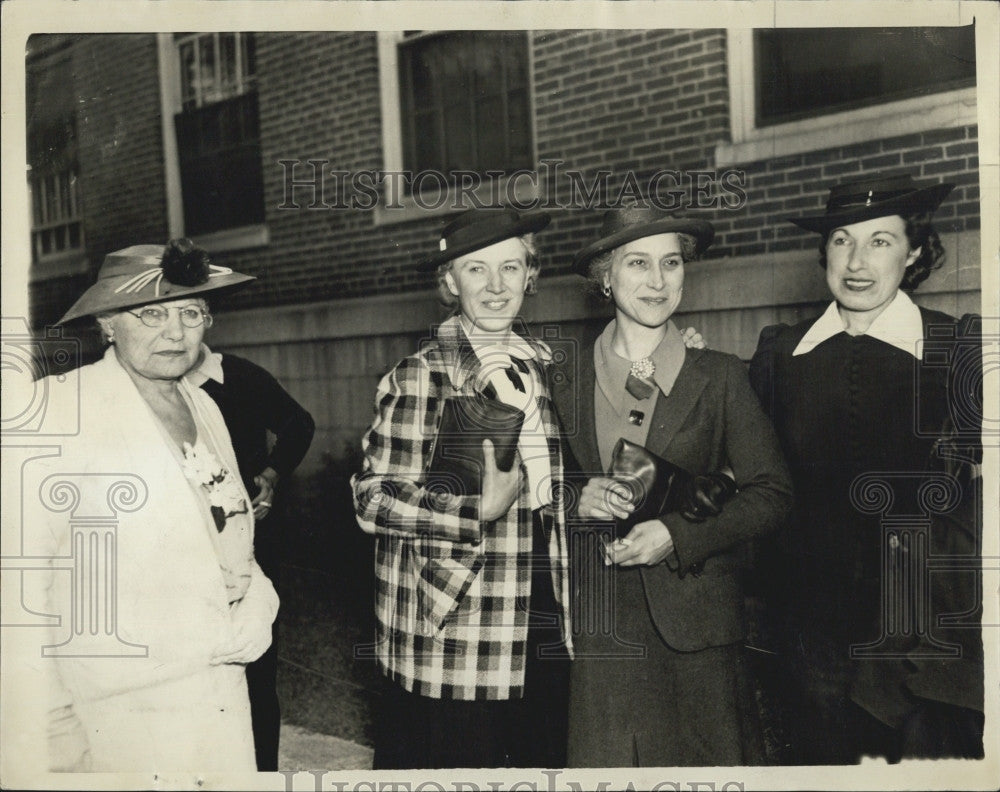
(475, 229)
(866, 199)
(144, 274)
(623, 225)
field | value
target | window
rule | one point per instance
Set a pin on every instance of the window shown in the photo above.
(57, 235)
(862, 66)
(793, 90)
(218, 132)
(465, 101)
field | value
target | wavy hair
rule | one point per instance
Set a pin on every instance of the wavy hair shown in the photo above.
(919, 234)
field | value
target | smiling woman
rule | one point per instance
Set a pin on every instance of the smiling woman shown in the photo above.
(471, 585)
(658, 639)
(863, 398)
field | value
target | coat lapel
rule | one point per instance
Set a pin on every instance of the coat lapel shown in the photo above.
(574, 398)
(672, 410)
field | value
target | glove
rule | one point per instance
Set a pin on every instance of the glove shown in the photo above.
(703, 496)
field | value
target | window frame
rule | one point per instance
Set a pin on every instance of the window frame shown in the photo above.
(944, 109)
(71, 261)
(171, 102)
(406, 208)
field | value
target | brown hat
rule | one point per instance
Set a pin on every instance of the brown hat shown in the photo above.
(476, 229)
(621, 226)
(144, 274)
(877, 196)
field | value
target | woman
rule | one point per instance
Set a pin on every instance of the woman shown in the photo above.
(659, 678)
(159, 684)
(861, 392)
(471, 588)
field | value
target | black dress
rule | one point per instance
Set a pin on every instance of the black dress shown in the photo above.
(858, 420)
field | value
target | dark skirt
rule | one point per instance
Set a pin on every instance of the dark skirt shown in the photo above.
(635, 702)
(415, 732)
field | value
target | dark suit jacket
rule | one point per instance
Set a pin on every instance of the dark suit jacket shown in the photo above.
(710, 418)
(857, 407)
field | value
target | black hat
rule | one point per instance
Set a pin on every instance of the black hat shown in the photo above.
(621, 226)
(877, 196)
(475, 229)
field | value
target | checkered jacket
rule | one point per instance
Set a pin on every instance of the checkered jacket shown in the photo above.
(451, 591)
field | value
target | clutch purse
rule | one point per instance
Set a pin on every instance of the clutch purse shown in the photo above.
(656, 486)
(456, 465)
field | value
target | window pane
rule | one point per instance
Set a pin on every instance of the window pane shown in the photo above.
(490, 129)
(460, 139)
(36, 203)
(64, 196)
(227, 62)
(519, 123)
(221, 170)
(803, 72)
(210, 90)
(487, 65)
(249, 55)
(471, 85)
(427, 141)
(189, 74)
(51, 205)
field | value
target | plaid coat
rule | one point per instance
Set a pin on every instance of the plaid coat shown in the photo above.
(451, 591)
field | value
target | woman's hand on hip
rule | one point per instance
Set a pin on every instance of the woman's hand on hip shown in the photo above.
(605, 498)
(500, 489)
(648, 543)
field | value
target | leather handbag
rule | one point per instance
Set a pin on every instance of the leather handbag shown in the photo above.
(655, 485)
(661, 487)
(456, 461)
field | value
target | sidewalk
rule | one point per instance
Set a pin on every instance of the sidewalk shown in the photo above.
(301, 749)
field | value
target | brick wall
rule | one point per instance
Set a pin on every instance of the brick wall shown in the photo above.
(120, 157)
(799, 184)
(624, 101)
(636, 101)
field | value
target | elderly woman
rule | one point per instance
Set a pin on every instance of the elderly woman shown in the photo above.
(860, 391)
(151, 675)
(659, 678)
(471, 587)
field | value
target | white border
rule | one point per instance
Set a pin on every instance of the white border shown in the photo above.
(19, 765)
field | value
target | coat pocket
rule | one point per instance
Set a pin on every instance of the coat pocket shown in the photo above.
(444, 586)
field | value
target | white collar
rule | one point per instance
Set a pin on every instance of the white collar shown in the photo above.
(509, 344)
(899, 325)
(210, 368)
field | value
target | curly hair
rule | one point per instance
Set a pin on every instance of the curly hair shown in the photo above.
(600, 265)
(919, 234)
(449, 300)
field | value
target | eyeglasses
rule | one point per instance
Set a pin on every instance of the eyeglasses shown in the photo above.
(152, 316)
